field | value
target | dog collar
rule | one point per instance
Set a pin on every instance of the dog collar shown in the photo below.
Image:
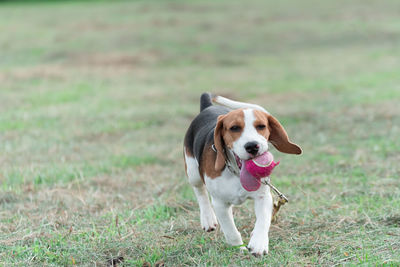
(230, 161)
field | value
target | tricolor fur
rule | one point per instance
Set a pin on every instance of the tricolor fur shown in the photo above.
(242, 130)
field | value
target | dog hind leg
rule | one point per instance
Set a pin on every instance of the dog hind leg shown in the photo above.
(207, 216)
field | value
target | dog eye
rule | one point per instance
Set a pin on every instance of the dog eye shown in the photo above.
(235, 128)
(260, 127)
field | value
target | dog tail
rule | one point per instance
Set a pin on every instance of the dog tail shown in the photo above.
(223, 101)
(205, 101)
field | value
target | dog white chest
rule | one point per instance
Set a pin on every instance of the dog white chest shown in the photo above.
(228, 188)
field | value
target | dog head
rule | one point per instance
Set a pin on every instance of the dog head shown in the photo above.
(246, 132)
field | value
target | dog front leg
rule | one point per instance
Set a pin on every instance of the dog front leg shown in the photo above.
(225, 218)
(259, 241)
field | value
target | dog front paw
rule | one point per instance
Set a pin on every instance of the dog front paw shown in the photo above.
(208, 221)
(258, 246)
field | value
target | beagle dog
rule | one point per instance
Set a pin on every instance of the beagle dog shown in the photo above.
(216, 144)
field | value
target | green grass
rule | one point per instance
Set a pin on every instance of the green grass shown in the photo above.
(96, 97)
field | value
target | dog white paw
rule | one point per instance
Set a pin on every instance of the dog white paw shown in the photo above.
(208, 221)
(258, 245)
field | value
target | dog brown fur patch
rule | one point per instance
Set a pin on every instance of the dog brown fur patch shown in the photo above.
(261, 118)
(213, 163)
(233, 118)
(207, 163)
(188, 152)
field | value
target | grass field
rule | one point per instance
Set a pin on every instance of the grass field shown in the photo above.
(96, 97)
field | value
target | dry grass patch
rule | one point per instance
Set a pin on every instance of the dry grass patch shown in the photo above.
(94, 111)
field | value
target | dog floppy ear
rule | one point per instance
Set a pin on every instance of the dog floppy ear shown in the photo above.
(219, 144)
(279, 138)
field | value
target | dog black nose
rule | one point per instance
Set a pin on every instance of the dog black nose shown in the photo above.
(252, 148)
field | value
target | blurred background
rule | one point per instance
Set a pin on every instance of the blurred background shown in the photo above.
(96, 97)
